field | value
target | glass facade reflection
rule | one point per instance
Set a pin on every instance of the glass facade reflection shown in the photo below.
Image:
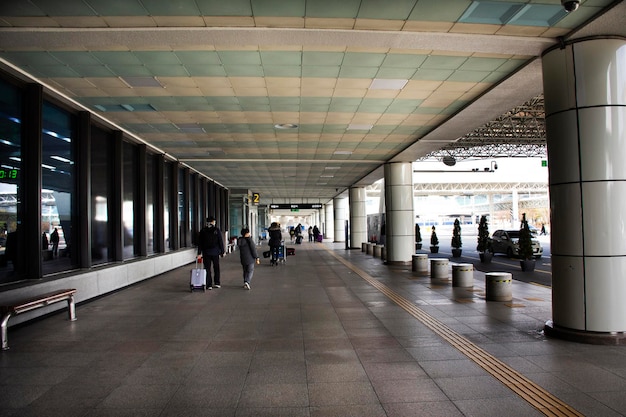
(58, 187)
(77, 219)
(10, 189)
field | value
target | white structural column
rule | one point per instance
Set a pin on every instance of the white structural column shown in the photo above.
(329, 219)
(358, 217)
(515, 217)
(340, 205)
(585, 101)
(400, 224)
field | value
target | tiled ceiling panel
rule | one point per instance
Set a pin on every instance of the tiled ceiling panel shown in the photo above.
(362, 81)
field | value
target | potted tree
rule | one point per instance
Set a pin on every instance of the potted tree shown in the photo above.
(484, 241)
(434, 241)
(525, 243)
(418, 237)
(456, 239)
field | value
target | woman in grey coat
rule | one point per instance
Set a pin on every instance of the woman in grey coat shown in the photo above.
(248, 256)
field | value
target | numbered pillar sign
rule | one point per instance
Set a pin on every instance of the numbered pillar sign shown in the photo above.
(256, 198)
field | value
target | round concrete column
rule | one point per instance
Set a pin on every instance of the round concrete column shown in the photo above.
(358, 217)
(329, 218)
(585, 104)
(420, 264)
(400, 223)
(498, 286)
(462, 275)
(439, 268)
(340, 206)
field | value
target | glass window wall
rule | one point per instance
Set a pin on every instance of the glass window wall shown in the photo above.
(58, 188)
(10, 187)
(101, 186)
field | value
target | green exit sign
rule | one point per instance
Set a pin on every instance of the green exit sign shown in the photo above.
(544, 163)
(293, 210)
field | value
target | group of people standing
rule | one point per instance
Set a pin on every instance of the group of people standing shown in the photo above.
(314, 234)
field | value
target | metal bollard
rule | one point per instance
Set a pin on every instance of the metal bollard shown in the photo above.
(378, 249)
(462, 275)
(369, 248)
(419, 265)
(439, 268)
(363, 246)
(498, 286)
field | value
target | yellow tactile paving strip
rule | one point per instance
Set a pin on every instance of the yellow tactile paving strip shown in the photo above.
(536, 396)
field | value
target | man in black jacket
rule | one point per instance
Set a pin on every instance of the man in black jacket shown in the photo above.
(211, 247)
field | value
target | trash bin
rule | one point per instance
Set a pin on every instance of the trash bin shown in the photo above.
(420, 264)
(498, 286)
(439, 268)
(462, 275)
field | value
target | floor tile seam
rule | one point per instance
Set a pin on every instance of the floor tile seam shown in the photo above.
(457, 340)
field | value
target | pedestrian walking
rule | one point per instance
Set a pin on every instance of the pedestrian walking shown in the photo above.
(248, 256)
(211, 247)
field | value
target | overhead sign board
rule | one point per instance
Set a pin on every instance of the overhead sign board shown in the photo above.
(295, 206)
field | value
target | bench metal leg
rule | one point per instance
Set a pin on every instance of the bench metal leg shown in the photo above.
(71, 308)
(5, 336)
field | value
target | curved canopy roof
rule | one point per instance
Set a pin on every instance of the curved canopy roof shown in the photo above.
(295, 99)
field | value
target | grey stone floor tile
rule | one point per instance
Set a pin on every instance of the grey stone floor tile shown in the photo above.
(337, 372)
(472, 387)
(341, 393)
(422, 409)
(497, 407)
(274, 395)
(451, 368)
(278, 374)
(366, 410)
(273, 412)
(589, 406)
(389, 371)
(139, 396)
(408, 390)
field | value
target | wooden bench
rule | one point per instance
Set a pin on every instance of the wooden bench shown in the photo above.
(10, 309)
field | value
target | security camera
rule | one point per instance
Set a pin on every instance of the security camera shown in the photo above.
(570, 5)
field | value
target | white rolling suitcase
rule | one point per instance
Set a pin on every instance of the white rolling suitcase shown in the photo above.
(198, 277)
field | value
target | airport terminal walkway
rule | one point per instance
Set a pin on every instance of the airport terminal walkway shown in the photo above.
(332, 332)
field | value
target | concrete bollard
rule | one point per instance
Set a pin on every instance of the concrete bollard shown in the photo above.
(378, 250)
(439, 268)
(462, 275)
(420, 264)
(369, 250)
(363, 246)
(498, 286)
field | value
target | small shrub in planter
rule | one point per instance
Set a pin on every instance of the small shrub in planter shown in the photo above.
(484, 241)
(418, 237)
(456, 242)
(434, 241)
(527, 261)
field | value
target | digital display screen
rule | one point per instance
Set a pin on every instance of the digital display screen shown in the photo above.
(8, 173)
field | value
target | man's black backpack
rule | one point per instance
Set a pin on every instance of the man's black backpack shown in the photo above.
(209, 237)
